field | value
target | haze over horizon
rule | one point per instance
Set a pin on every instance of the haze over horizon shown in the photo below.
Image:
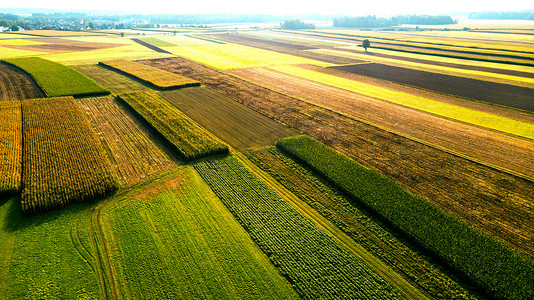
(276, 7)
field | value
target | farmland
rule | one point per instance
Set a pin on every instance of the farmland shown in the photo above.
(157, 78)
(56, 79)
(273, 164)
(63, 161)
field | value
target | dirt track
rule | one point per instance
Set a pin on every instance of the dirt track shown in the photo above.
(494, 201)
(497, 93)
(15, 85)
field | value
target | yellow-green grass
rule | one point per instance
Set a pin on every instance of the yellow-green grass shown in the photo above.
(232, 56)
(56, 79)
(362, 56)
(113, 39)
(94, 56)
(9, 35)
(174, 239)
(10, 147)
(463, 114)
(19, 42)
(160, 79)
(47, 256)
(6, 52)
(156, 42)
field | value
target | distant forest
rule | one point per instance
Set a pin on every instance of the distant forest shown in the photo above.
(503, 15)
(374, 22)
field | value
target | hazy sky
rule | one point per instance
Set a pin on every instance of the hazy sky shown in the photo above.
(346, 7)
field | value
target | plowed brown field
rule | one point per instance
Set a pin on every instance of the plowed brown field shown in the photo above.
(492, 200)
(15, 85)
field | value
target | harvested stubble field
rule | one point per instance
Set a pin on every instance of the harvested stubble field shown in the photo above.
(494, 201)
(151, 76)
(111, 80)
(490, 146)
(63, 160)
(506, 95)
(238, 125)
(340, 210)
(16, 85)
(58, 45)
(134, 150)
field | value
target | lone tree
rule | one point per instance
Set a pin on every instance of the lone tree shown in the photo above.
(366, 44)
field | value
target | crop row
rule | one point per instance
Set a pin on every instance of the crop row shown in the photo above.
(337, 208)
(152, 76)
(63, 159)
(316, 265)
(492, 266)
(190, 139)
(10, 146)
(56, 79)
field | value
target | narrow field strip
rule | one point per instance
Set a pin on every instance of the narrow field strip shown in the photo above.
(507, 125)
(154, 77)
(10, 147)
(56, 79)
(190, 140)
(63, 160)
(316, 265)
(364, 56)
(491, 265)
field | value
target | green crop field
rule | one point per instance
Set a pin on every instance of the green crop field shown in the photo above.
(471, 252)
(56, 79)
(231, 163)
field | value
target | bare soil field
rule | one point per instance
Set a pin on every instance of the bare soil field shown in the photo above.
(282, 46)
(494, 147)
(493, 201)
(113, 81)
(239, 126)
(134, 150)
(16, 85)
(497, 93)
